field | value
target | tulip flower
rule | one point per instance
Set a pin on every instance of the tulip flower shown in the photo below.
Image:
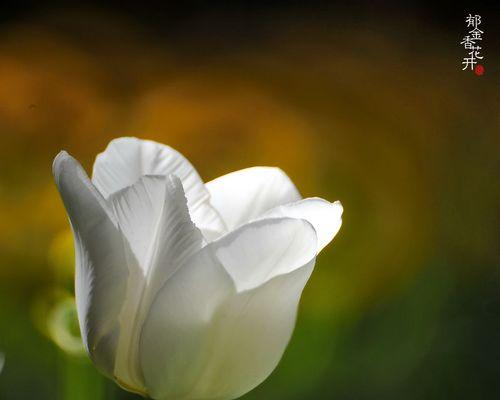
(187, 290)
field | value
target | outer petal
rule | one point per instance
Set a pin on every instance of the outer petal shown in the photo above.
(325, 217)
(261, 250)
(174, 345)
(244, 195)
(101, 265)
(126, 159)
(220, 325)
(154, 218)
(249, 335)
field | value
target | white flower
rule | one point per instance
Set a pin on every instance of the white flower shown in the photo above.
(188, 290)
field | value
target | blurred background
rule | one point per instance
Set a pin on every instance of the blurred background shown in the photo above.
(366, 103)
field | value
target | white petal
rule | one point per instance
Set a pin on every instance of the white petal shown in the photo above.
(261, 250)
(126, 159)
(325, 217)
(101, 267)
(249, 335)
(175, 338)
(244, 195)
(154, 218)
(207, 219)
(153, 215)
(205, 306)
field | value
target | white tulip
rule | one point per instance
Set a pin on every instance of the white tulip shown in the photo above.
(188, 290)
